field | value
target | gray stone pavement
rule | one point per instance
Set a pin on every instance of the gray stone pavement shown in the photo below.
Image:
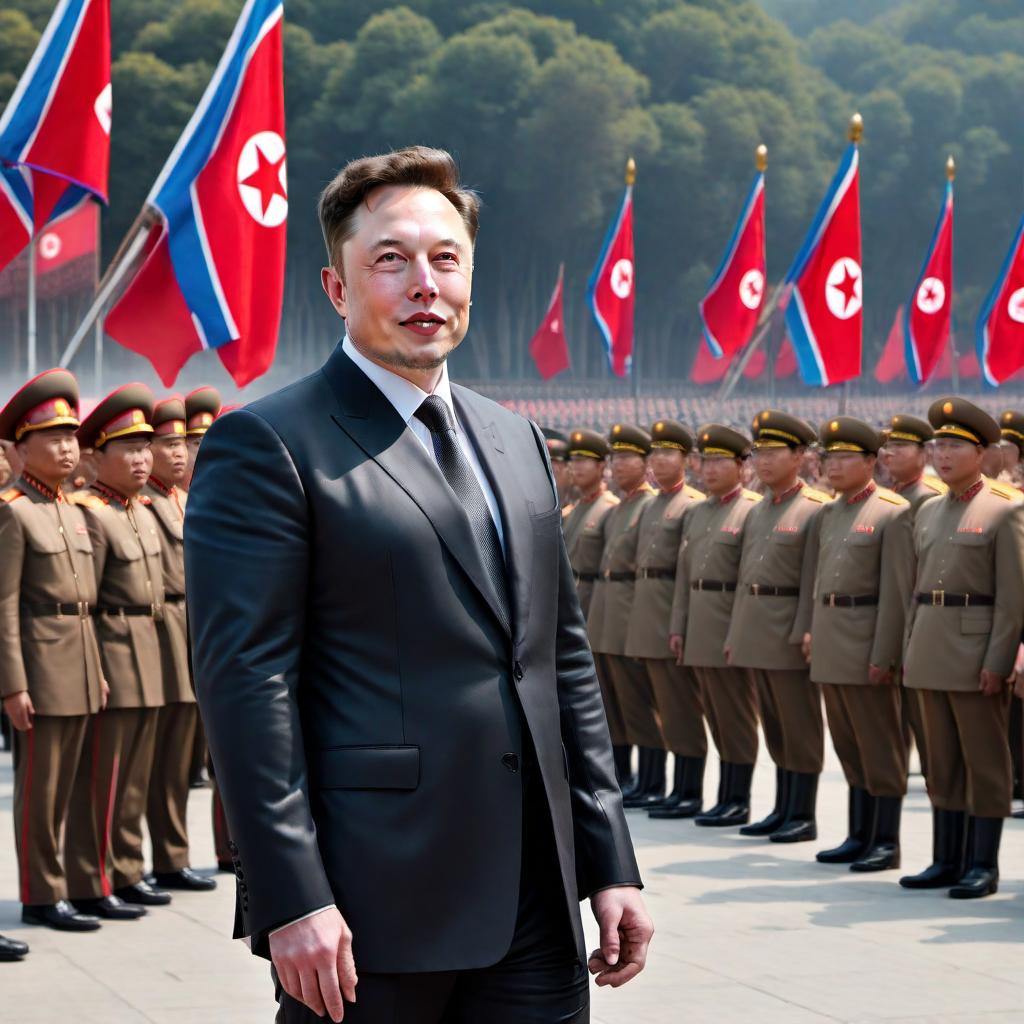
(747, 932)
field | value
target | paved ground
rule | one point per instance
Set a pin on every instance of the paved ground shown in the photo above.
(748, 932)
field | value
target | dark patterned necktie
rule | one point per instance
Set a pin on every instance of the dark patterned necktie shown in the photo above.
(435, 415)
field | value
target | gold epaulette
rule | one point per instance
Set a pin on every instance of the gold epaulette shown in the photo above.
(815, 495)
(609, 498)
(692, 492)
(12, 494)
(751, 495)
(935, 484)
(1009, 493)
(144, 499)
(891, 496)
(86, 499)
(568, 510)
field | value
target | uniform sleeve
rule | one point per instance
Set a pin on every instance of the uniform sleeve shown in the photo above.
(808, 578)
(681, 593)
(12, 545)
(1009, 607)
(895, 589)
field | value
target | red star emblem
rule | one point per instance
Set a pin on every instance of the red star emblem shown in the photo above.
(929, 295)
(266, 178)
(848, 287)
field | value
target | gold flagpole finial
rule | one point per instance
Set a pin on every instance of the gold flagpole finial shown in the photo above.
(856, 128)
(951, 168)
(630, 171)
(761, 158)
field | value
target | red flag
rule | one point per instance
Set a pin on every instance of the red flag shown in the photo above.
(613, 288)
(707, 369)
(824, 314)
(890, 363)
(1000, 333)
(730, 309)
(548, 346)
(929, 312)
(214, 264)
(68, 239)
(785, 359)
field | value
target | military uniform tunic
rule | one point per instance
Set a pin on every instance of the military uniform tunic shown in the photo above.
(584, 541)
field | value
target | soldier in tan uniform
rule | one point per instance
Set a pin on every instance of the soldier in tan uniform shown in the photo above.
(674, 687)
(705, 587)
(857, 580)
(963, 635)
(558, 453)
(763, 633)
(178, 719)
(202, 407)
(50, 675)
(610, 605)
(105, 826)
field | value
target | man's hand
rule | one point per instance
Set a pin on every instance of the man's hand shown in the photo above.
(104, 694)
(991, 684)
(314, 961)
(805, 647)
(626, 931)
(880, 676)
(675, 644)
(727, 651)
(18, 708)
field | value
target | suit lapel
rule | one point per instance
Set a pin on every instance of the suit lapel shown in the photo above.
(371, 421)
(500, 470)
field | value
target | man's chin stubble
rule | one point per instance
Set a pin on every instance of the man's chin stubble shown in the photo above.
(419, 361)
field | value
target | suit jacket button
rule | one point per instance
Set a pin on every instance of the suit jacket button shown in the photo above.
(517, 671)
(511, 762)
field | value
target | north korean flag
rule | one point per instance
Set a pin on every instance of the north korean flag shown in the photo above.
(213, 272)
(1000, 331)
(824, 312)
(612, 289)
(730, 309)
(548, 346)
(928, 313)
(55, 129)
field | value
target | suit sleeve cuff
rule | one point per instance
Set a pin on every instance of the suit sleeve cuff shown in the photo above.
(304, 917)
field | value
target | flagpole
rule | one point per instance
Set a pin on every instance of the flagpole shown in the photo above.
(736, 371)
(634, 363)
(32, 308)
(856, 133)
(954, 360)
(98, 351)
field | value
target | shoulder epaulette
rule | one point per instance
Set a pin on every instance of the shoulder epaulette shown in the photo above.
(1003, 490)
(86, 499)
(145, 499)
(819, 496)
(692, 492)
(751, 495)
(12, 494)
(568, 511)
(935, 484)
(610, 499)
(891, 496)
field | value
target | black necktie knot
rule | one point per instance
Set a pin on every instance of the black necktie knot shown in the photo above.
(435, 415)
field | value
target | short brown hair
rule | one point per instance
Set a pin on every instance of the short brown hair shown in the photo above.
(417, 166)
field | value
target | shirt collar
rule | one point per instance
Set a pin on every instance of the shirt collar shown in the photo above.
(900, 488)
(110, 494)
(862, 495)
(971, 491)
(38, 485)
(778, 499)
(725, 499)
(403, 395)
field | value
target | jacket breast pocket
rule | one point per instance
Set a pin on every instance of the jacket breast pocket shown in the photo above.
(725, 537)
(376, 767)
(542, 521)
(787, 538)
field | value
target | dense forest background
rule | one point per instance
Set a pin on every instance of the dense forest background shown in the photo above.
(542, 101)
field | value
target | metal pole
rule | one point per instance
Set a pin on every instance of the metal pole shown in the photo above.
(844, 394)
(736, 371)
(98, 351)
(32, 308)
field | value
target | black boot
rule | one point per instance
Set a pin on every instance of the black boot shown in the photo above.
(949, 835)
(673, 798)
(982, 876)
(113, 908)
(60, 916)
(642, 776)
(861, 815)
(766, 826)
(800, 825)
(883, 852)
(723, 790)
(735, 809)
(692, 798)
(653, 791)
(623, 767)
(11, 949)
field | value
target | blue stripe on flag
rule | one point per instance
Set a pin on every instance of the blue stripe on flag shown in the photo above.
(804, 343)
(613, 231)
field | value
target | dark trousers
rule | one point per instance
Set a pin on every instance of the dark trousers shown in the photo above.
(540, 980)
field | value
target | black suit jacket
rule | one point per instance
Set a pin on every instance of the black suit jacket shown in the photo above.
(363, 691)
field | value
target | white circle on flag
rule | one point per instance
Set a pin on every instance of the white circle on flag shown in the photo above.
(1015, 306)
(752, 289)
(844, 288)
(622, 278)
(554, 326)
(50, 245)
(103, 108)
(262, 179)
(931, 296)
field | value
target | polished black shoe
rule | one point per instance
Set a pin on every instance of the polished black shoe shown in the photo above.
(800, 825)
(735, 808)
(767, 825)
(976, 883)
(61, 916)
(982, 876)
(859, 829)
(186, 879)
(723, 791)
(12, 949)
(200, 780)
(883, 852)
(623, 755)
(651, 790)
(949, 835)
(113, 908)
(687, 798)
(143, 894)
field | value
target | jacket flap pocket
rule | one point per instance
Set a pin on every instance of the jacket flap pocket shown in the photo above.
(392, 767)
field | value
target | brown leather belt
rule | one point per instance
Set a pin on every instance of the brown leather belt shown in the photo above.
(848, 600)
(764, 590)
(79, 609)
(655, 574)
(945, 599)
(721, 586)
(585, 577)
(617, 577)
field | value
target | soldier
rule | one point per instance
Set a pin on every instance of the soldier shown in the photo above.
(177, 719)
(674, 688)
(50, 675)
(1011, 429)
(105, 831)
(608, 618)
(762, 633)
(857, 579)
(705, 587)
(202, 407)
(558, 453)
(963, 635)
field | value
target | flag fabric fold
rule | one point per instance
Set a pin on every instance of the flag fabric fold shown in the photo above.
(548, 347)
(214, 261)
(1000, 330)
(612, 289)
(824, 314)
(729, 310)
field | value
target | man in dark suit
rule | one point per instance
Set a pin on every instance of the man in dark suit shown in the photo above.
(391, 661)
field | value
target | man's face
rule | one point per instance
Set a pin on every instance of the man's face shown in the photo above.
(50, 455)
(667, 466)
(992, 460)
(125, 464)
(628, 470)
(405, 281)
(719, 474)
(586, 473)
(957, 462)
(904, 460)
(170, 459)
(776, 466)
(849, 472)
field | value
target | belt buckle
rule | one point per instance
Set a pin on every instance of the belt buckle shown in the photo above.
(60, 610)
(157, 612)
(755, 589)
(967, 600)
(700, 584)
(832, 600)
(939, 598)
(83, 609)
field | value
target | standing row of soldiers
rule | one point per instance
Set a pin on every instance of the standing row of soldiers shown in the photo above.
(900, 610)
(94, 666)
